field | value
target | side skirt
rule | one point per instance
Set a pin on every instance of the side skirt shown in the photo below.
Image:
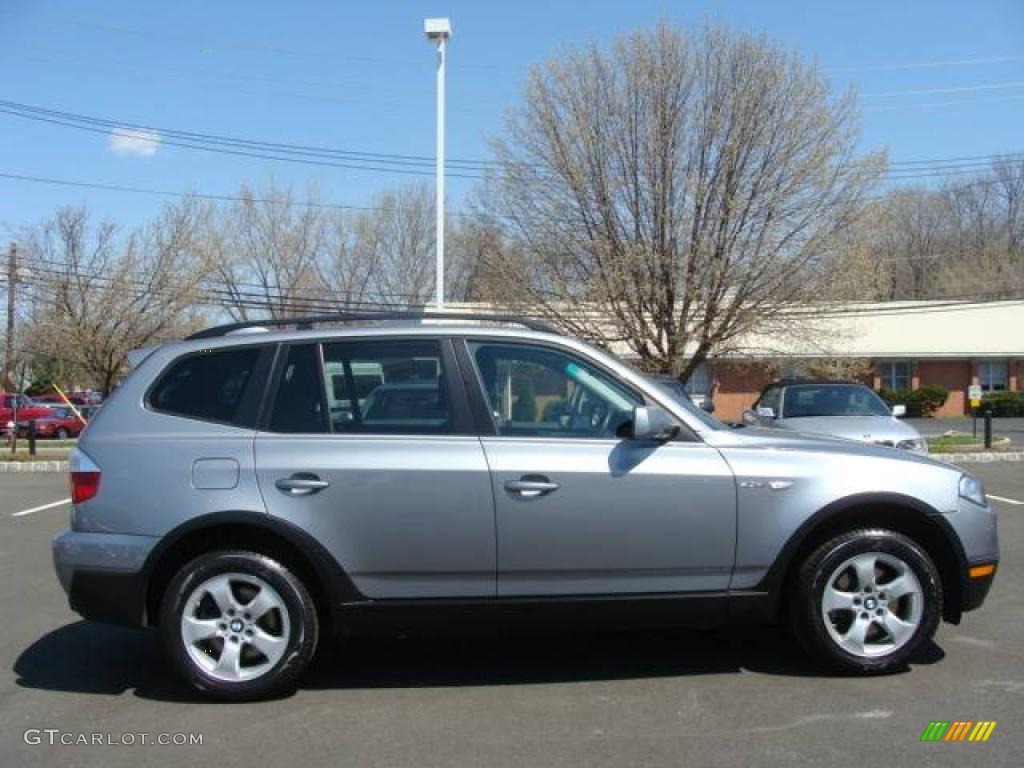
(699, 610)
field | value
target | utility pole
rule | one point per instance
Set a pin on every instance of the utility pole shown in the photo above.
(12, 291)
(438, 31)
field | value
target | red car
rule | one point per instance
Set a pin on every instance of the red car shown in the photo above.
(60, 423)
(27, 408)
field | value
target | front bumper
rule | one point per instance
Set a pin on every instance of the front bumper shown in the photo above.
(973, 591)
(102, 574)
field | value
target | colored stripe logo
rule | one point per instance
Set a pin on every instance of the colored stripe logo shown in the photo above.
(958, 730)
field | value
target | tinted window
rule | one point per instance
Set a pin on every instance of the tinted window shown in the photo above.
(832, 400)
(208, 385)
(299, 404)
(539, 392)
(387, 387)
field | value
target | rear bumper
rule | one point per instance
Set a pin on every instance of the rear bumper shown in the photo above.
(102, 574)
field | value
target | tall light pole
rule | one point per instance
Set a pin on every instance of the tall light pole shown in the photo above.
(12, 294)
(438, 31)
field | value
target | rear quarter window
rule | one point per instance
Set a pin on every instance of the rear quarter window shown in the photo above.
(210, 386)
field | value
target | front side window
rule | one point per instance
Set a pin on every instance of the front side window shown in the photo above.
(894, 374)
(992, 375)
(770, 399)
(207, 385)
(534, 391)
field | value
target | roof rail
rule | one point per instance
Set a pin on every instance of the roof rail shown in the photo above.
(308, 321)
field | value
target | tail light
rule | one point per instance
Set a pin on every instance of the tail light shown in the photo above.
(85, 476)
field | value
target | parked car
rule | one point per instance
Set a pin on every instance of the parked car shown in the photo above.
(215, 499)
(60, 423)
(27, 408)
(52, 398)
(677, 389)
(844, 409)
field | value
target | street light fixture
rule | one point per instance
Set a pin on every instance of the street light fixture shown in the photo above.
(439, 31)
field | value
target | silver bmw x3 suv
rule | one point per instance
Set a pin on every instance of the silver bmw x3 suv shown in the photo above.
(249, 491)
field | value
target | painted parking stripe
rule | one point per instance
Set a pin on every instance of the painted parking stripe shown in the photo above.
(1006, 501)
(40, 508)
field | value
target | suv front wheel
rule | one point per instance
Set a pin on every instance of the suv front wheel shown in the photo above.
(240, 625)
(866, 600)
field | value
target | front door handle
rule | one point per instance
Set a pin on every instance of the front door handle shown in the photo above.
(301, 484)
(530, 486)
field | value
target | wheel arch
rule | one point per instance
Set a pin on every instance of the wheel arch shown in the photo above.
(260, 532)
(893, 511)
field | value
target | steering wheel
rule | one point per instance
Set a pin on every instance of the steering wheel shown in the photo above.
(600, 416)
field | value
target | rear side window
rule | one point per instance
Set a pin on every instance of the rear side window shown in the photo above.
(387, 387)
(299, 405)
(364, 387)
(209, 385)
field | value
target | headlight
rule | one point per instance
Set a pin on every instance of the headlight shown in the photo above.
(917, 444)
(972, 490)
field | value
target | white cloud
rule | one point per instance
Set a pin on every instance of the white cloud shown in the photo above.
(133, 141)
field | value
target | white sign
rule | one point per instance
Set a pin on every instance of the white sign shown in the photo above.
(974, 392)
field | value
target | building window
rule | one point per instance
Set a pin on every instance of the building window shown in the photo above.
(894, 374)
(992, 375)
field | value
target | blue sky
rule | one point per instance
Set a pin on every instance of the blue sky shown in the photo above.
(938, 80)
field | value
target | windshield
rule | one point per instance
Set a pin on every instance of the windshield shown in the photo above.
(832, 400)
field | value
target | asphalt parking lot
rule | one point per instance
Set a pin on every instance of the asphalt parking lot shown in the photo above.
(730, 697)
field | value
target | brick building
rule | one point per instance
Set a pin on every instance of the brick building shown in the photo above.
(903, 345)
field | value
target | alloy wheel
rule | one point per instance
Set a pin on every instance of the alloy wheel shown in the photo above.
(235, 626)
(872, 604)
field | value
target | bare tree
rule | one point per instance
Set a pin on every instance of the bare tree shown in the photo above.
(687, 186)
(385, 254)
(864, 268)
(914, 240)
(98, 296)
(267, 249)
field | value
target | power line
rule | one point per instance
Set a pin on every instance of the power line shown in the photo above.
(243, 153)
(929, 64)
(953, 89)
(378, 161)
(59, 268)
(425, 161)
(938, 104)
(202, 195)
(225, 298)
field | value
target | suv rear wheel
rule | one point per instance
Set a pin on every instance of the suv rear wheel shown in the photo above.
(866, 600)
(240, 625)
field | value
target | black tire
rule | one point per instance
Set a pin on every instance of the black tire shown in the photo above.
(283, 676)
(62, 434)
(808, 617)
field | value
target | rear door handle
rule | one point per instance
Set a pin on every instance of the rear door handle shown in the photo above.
(530, 486)
(301, 484)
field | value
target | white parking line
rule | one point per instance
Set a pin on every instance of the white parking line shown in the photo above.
(40, 508)
(1006, 501)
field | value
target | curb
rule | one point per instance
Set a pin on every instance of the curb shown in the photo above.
(32, 466)
(982, 457)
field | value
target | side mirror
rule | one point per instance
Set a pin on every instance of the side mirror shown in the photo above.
(899, 411)
(708, 405)
(765, 412)
(749, 417)
(651, 423)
